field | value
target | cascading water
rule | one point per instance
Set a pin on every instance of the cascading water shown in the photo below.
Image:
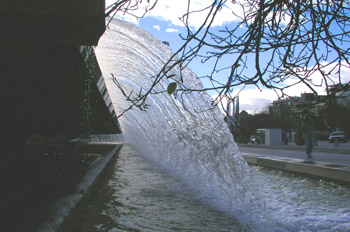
(198, 149)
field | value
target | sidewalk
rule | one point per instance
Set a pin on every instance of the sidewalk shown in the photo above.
(328, 161)
(322, 146)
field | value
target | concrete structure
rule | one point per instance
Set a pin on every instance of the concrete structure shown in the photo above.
(79, 22)
(343, 98)
(46, 74)
(97, 80)
(335, 172)
(51, 91)
(273, 137)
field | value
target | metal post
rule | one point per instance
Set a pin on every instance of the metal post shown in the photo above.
(336, 140)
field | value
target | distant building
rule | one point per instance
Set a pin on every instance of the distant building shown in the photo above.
(244, 114)
(307, 97)
(343, 98)
(279, 106)
(309, 102)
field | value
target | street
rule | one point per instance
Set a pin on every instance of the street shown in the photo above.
(324, 152)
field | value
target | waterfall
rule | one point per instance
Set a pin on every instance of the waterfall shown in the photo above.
(196, 147)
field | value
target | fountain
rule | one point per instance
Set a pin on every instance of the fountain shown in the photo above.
(197, 147)
(181, 170)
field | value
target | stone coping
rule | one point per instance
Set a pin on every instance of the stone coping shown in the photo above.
(335, 172)
(338, 150)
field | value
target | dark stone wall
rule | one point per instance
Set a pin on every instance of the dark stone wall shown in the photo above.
(43, 103)
(42, 92)
(80, 22)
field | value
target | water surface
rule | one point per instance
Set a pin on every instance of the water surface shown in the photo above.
(135, 195)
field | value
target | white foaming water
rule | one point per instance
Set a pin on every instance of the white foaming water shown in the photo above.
(196, 147)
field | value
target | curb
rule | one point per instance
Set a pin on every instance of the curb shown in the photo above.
(300, 148)
(63, 206)
(335, 172)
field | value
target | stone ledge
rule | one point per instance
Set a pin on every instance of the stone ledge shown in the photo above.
(337, 150)
(330, 171)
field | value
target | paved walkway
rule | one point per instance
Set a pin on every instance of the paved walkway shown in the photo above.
(328, 161)
(324, 152)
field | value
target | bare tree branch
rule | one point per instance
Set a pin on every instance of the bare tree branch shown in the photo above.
(272, 42)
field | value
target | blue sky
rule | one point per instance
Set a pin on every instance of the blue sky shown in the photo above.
(164, 24)
(166, 31)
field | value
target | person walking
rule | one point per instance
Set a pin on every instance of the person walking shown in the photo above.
(308, 126)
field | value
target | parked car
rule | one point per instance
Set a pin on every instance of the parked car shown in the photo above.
(340, 135)
(252, 139)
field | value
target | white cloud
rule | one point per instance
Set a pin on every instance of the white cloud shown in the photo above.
(254, 100)
(171, 30)
(318, 82)
(157, 27)
(171, 11)
(345, 73)
(297, 89)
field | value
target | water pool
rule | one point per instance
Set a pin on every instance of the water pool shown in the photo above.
(133, 194)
